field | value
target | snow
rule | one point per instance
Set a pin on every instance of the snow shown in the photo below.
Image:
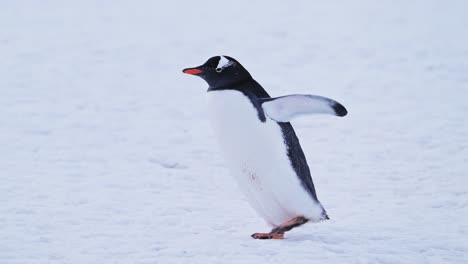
(108, 156)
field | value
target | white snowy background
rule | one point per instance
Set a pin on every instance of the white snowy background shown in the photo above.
(107, 155)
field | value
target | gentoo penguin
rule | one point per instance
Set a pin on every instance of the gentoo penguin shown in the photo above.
(261, 146)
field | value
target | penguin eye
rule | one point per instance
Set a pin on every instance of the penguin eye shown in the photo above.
(219, 70)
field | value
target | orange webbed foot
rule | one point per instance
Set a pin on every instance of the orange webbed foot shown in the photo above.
(267, 236)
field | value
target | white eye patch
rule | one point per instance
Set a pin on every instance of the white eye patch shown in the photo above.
(223, 62)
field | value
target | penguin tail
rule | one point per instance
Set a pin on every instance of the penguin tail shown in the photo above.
(324, 216)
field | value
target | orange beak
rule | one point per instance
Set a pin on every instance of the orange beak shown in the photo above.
(193, 71)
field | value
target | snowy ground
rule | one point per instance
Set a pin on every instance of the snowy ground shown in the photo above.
(108, 156)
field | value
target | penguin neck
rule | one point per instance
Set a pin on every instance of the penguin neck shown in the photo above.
(236, 85)
(246, 86)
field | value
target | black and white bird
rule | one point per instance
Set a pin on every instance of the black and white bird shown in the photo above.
(260, 144)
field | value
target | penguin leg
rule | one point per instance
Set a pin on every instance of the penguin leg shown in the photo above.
(295, 222)
(278, 232)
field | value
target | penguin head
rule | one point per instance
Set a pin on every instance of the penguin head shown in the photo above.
(220, 71)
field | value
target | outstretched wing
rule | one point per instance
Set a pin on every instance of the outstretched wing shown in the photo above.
(285, 108)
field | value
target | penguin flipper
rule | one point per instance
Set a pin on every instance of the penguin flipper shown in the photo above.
(288, 107)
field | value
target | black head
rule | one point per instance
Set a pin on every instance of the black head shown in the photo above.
(220, 71)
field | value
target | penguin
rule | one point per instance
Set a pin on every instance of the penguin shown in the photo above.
(261, 146)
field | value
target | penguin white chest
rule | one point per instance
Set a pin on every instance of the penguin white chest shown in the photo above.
(257, 155)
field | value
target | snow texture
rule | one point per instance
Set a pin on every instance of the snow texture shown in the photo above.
(108, 155)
